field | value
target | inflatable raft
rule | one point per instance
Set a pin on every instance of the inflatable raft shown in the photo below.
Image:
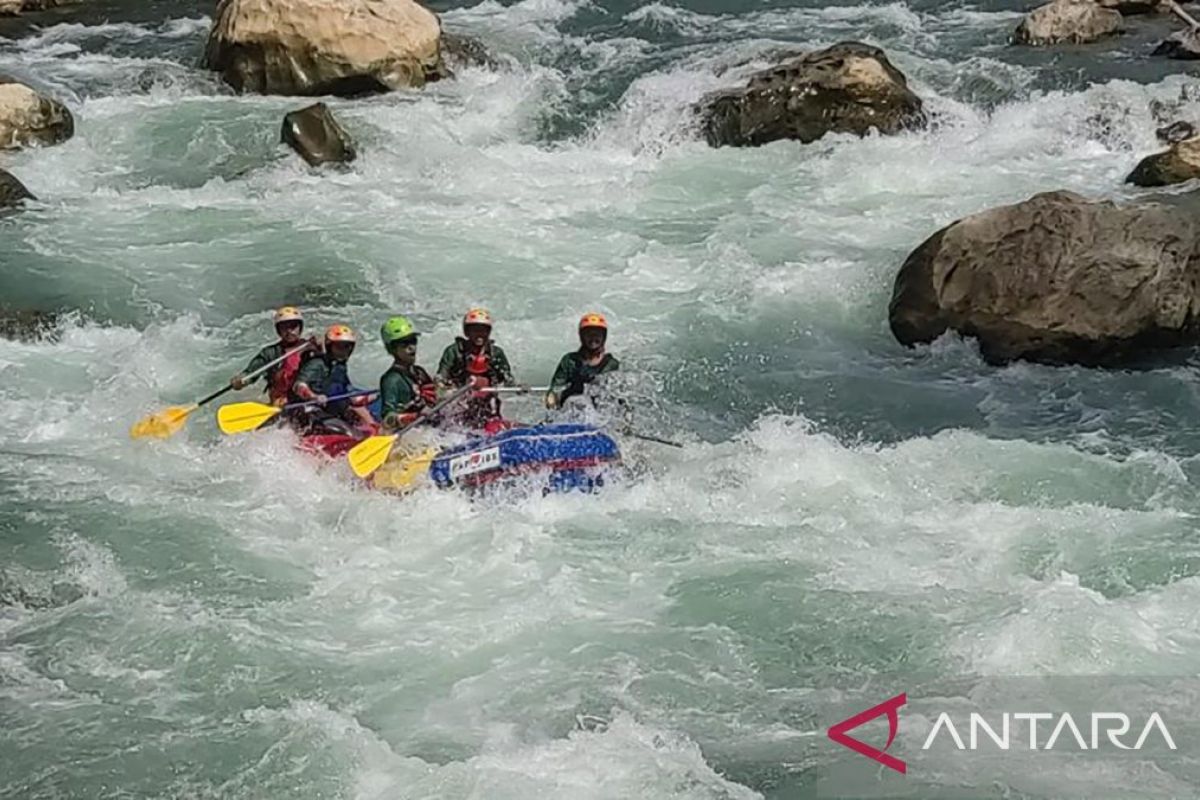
(566, 456)
(553, 457)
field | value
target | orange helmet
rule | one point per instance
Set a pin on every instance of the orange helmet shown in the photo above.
(477, 316)
(340, 333)
(593, 320)
(288, 314)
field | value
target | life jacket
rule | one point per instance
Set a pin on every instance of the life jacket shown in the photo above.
(279, 382)
(470, 364)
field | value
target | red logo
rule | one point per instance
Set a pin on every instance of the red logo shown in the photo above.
(890, 707)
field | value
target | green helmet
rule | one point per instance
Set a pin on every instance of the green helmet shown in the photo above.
(395, 329)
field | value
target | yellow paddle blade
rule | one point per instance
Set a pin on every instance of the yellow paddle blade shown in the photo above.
(369, 454)
(400, 474)
(163, 424)
(242, 417)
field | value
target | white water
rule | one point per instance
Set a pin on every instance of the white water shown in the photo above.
(209, 617)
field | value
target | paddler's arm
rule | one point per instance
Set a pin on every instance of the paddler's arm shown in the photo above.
(563, 374)
(309, 373)
(501, 366)
(395, 395)
(262, 358)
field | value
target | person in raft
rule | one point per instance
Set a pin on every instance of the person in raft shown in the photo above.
(580, 367)
(289, 324)
(326, 376)
(474, 358)
(406, 388)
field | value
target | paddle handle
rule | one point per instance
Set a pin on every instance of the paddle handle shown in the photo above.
(256, 373)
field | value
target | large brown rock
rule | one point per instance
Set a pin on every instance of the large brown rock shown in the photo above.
(1056, 278)
(315, 134)
(1179, 163)
(314, 47)
(1075, 21)
(9, 8)
(848, 88)
(12, 191)
(27, 118)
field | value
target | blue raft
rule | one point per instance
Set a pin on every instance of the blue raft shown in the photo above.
(568, 456)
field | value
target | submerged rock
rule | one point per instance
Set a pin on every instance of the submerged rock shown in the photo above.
(460, 50)
(315, 47)
(1182, 46)
(315, 134)
(848, 88)
(1056, 278)
(24, 324)
(1175, 132)
(1075, 21)
(27, 118)
(1181, 162)
(12, 192)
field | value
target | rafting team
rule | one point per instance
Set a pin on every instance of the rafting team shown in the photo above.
(313, 375)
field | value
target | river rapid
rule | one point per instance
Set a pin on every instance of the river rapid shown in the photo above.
(222, 617)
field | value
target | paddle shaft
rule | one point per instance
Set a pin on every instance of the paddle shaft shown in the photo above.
(335, 398)
(255, 373)
(655, 439)
(514, 389)
(436, 407)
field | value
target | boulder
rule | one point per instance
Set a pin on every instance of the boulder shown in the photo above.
(27, 118)
(1182, 46)
(315, 47)
(1056, 278)
(848, 88)
(1075, 21)
(1179, 163)
(12, 192)
(317, 137)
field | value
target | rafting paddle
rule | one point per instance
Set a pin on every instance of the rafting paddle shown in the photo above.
(370, 454)
(169, 421)
(655, 439)
(242, 417)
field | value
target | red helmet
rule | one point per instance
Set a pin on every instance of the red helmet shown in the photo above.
(340, 333)
(593, 320)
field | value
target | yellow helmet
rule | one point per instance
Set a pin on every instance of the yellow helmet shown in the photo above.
(288, 314)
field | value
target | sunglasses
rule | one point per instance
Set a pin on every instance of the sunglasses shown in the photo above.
(410, 341)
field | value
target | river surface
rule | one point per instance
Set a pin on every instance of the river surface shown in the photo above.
(222, 617)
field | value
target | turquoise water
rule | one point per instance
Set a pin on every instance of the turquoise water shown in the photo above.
(213, 617)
